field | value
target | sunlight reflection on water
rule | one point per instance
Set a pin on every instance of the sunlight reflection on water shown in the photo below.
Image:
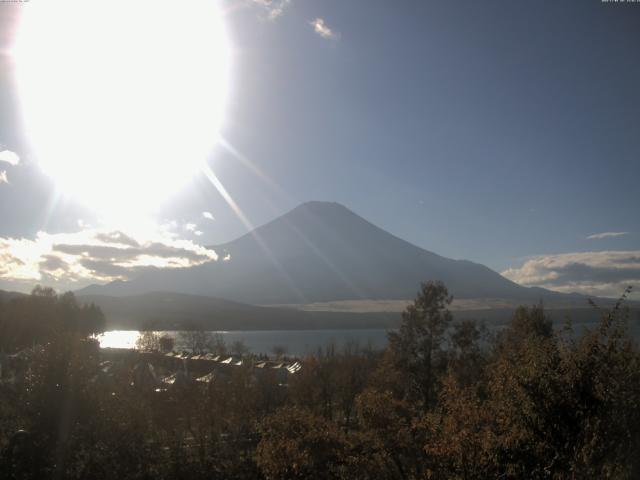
(301, 342)
(118, 339)
(296, 342)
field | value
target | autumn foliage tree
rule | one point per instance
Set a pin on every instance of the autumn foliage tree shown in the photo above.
(549, 405)
(445, 400)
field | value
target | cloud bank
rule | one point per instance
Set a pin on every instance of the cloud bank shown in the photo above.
(74, 260)
(594, 273)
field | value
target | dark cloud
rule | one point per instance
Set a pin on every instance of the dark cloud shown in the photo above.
(102, 269)
(117, 237)
(157, 249)
(99, 251)
(580, 272)
(51, 263)
(124, 254)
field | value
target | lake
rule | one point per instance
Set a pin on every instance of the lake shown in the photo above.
(302, 342)
(296, 342)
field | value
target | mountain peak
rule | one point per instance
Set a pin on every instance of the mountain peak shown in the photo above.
(322, 207)
(322, 251)
(320, 204)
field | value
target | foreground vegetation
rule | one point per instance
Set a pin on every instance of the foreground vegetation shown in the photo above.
(444, 401)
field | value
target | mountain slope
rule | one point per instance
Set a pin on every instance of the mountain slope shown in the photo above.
(320, 252)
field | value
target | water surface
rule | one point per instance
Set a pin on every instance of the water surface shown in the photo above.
(302, 342)
(296, 342)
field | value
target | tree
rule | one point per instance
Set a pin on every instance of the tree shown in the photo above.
(351, 370)
(526, 323)
(239, 348)
(166, 343)
(296, 444)
(58, 405)
(467, 358)
(387, 438)
(218, 345)
(279, 351)
(39, 317)
(565, 407)
(92, 320)
(148, 341)
(197, 340)
(460, 437)
(415, 347)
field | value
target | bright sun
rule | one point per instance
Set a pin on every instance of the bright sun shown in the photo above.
(122, 100)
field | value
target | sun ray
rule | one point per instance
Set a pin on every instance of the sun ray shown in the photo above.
(246, 162)
(269, 181)
(359, 293)
(215, 181)
(253, 168)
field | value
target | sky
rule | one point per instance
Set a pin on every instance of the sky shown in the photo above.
(502, 132)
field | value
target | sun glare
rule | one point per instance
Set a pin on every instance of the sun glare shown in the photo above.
(122, 100)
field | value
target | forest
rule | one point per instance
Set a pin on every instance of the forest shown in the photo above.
(444, 400)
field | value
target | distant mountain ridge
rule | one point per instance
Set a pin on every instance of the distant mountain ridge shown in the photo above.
(320, 252)
(176, 311)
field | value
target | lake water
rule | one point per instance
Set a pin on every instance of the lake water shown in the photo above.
(301, 342)
(296, 342)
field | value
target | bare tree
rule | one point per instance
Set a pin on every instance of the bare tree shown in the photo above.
(148, 341)
(239, 348)
(198, 341)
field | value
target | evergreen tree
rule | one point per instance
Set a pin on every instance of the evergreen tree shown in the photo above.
(416, 346)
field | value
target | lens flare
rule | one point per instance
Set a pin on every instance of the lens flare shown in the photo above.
(122, 100)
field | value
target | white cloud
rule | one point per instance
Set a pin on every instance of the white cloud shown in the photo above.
(322, 29)
(3, 177)
(593, 273)
(208, 216)
(197, 233)
(273, 8)
(597, 236)
(74, 260)
(83, 224)
(9, 157)
(191, 227)
(169, 227)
